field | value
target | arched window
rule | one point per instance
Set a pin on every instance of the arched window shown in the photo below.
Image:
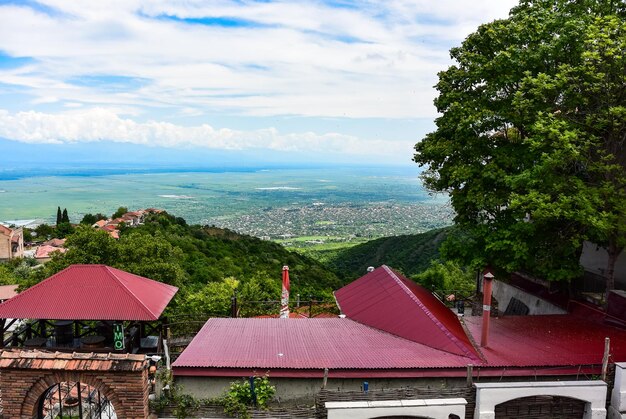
(74, 400)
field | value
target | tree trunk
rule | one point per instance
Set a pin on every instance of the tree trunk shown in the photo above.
(613, 252)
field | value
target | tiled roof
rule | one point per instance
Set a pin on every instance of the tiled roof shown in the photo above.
(91, 292)
(306, 344)
(55, 242)
(8, 291)
(71, 361)
(100, 223)
(5, 230)
(45, 251)
(386, 300)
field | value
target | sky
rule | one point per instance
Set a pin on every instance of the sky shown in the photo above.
(335, 80)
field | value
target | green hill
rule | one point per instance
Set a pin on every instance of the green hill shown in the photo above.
(207, 264)
(410, 254)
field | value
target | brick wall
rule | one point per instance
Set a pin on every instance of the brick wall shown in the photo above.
(125, 386)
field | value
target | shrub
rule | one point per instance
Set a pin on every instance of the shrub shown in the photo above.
(239, 396)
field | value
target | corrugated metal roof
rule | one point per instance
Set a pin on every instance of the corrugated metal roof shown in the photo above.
(550, 340)
(386, 300)
(71, 361)
(307, 344)
(91, 292)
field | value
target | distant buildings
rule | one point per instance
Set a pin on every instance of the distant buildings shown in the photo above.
(11, 243)
(130, 219)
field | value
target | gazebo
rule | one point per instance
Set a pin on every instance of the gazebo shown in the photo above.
(88, 308)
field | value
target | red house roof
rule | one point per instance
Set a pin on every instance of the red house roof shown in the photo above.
(386, 300)
(91, 292)
(548, 340)
(287, 344)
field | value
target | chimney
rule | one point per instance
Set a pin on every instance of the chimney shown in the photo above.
(284, 297)
(487, 286)
(370, 269)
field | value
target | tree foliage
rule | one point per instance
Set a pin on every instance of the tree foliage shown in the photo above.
(529, 144)
(447, 276)
(120, 211)
(65, 218)
(410, 254)
(91, 219)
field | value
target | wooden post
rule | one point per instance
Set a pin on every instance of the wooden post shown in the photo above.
(325, 381)
(470, 378)
(605, 357)
(233, 306)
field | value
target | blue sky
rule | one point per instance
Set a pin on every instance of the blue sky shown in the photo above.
(347, 79)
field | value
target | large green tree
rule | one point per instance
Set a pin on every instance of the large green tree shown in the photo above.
(529, 144)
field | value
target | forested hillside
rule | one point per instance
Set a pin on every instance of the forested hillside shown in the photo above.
(410, 254)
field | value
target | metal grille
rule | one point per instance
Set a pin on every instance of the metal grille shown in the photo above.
(74, 400)
(541, 407)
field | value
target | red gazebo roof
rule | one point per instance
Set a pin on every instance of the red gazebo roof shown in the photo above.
(91, 292)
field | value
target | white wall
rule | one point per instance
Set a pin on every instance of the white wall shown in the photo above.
(503, 292)
(594, 260)
(429, 408)
(617, 410)
(488, 395)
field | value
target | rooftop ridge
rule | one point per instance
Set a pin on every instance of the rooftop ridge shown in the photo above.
(430, 315)
(128, 291)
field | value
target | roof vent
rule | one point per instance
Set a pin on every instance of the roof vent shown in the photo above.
(370, 269)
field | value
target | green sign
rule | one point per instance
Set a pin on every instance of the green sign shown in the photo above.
(118, 336)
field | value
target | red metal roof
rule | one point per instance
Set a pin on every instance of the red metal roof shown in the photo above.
(386, 300)
(519, 346)
(550, 340)
(306, 344)
(91, 292)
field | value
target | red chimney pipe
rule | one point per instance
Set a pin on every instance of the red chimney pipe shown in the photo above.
(487, 286)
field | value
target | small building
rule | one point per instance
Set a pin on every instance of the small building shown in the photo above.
(11, 243)
(44, 252)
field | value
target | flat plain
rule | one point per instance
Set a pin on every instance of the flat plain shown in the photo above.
(324, 203)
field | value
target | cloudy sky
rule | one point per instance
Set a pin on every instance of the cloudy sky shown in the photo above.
(343, 78)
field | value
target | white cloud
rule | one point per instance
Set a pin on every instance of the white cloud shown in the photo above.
(101, 124)
(295, 58)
